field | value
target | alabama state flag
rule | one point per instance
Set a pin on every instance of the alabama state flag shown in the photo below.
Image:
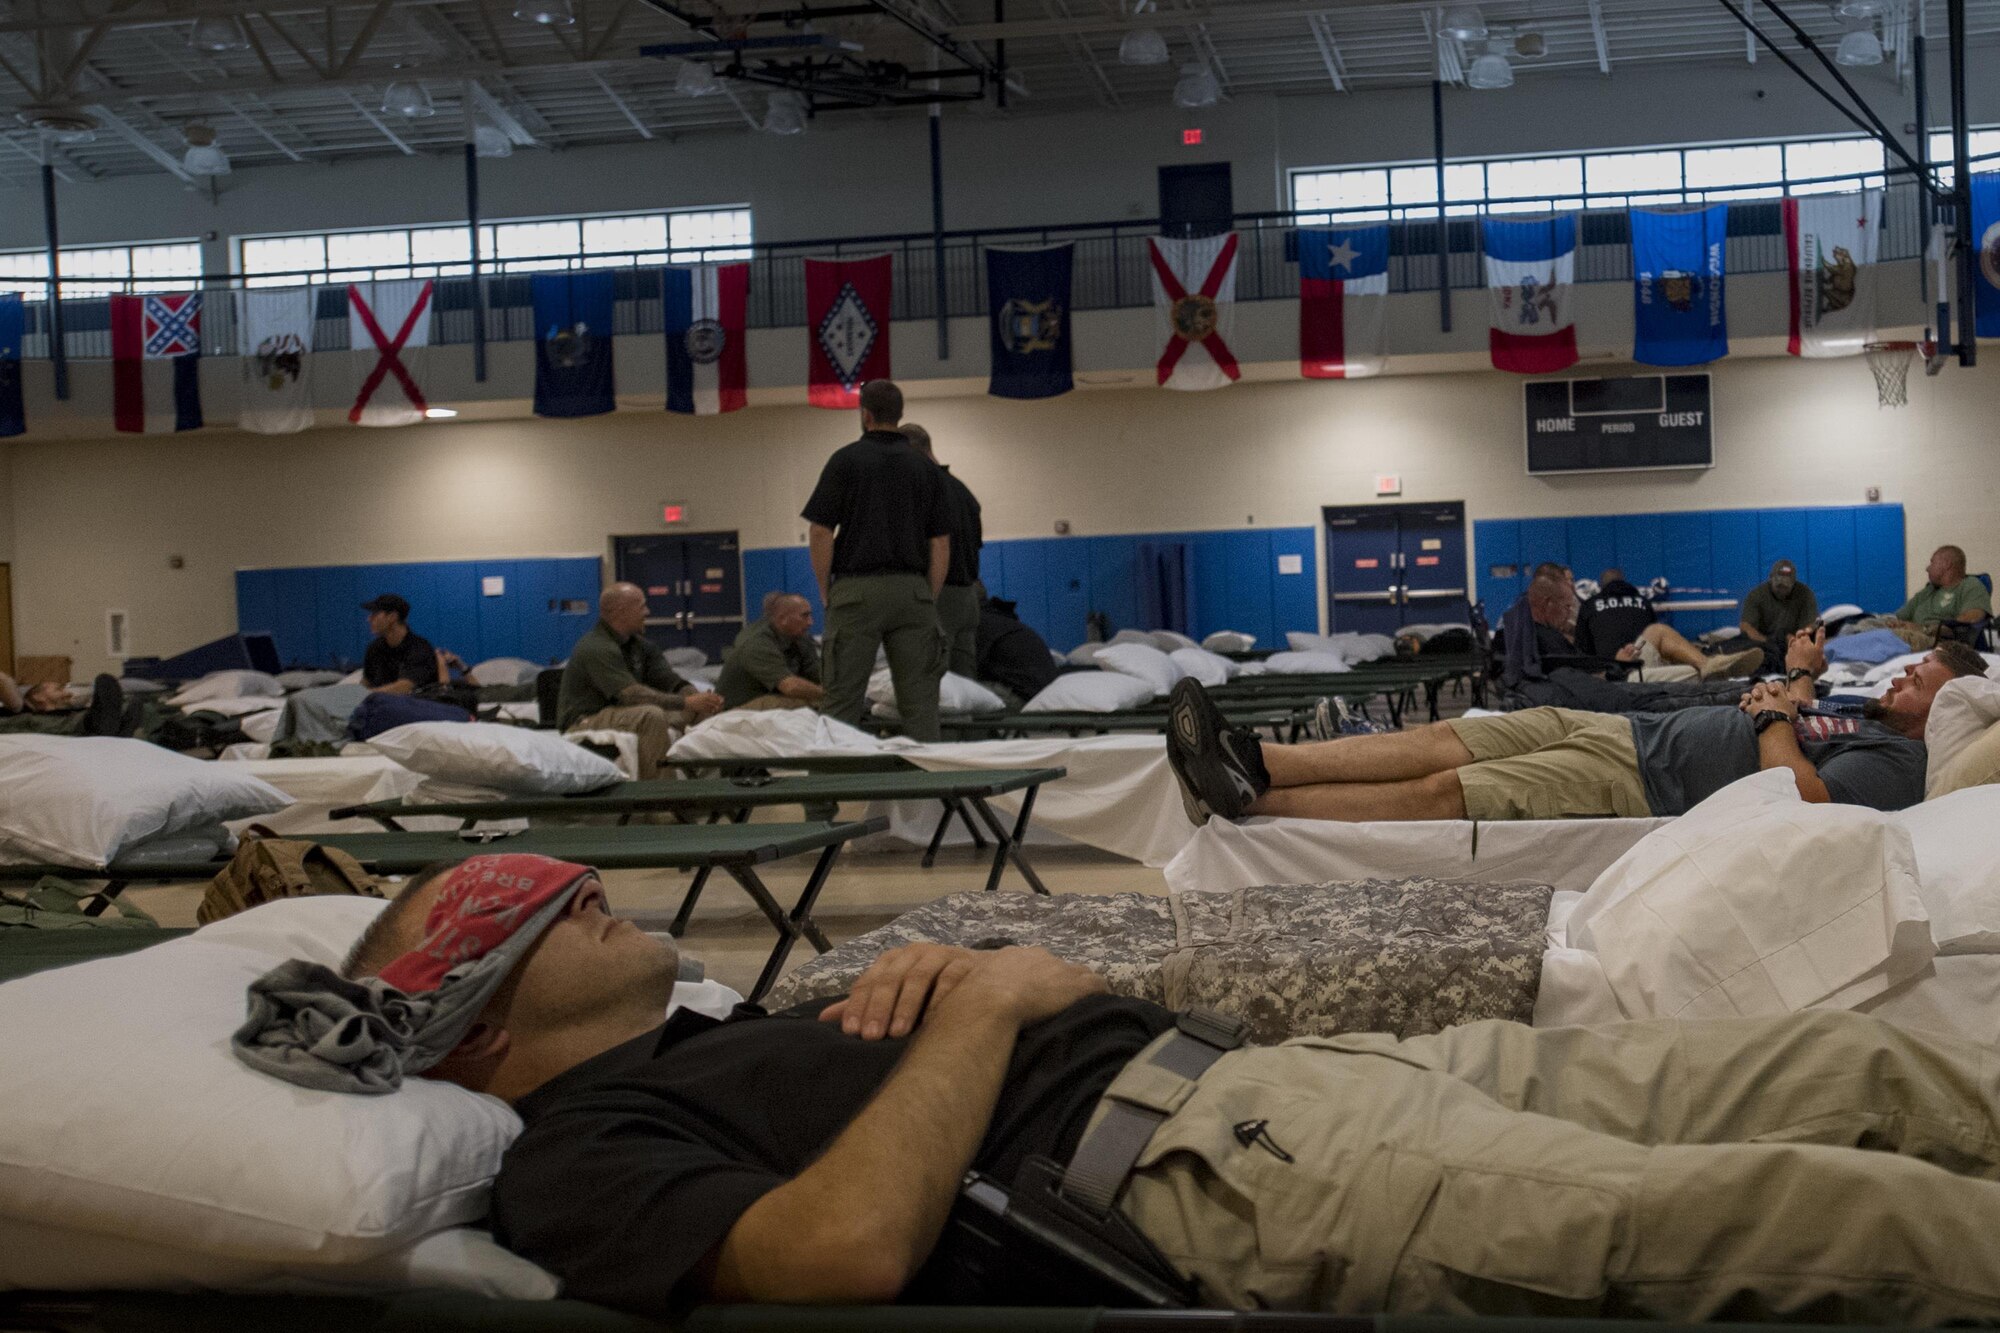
(1530, 273)
(1194, 299)
(1343, 296)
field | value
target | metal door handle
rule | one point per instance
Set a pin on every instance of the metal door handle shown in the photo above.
(1434, 592)
(1386, 594)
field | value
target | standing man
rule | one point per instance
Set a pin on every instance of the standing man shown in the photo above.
(399, 660)
(1779, 607)
(958, 600)
(619, 680)
(774, 662)
(881, 547)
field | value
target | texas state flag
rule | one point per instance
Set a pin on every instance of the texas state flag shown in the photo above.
(1343, 294)
(1530, 273)
(704, 309)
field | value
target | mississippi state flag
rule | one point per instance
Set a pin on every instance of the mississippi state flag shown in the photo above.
(1530, 272)
(145, 329)
(847, 322)
(1343, 294)
(1194, 299)
(1833, 241)
(704, 310)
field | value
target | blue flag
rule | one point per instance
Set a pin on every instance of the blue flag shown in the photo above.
(573, 344)
(13, 417)
(1029, 294)
(1678, 315)
(1986, 236)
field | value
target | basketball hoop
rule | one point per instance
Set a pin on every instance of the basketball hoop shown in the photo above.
(1891, 363)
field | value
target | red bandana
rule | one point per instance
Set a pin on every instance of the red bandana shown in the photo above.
(484, 901)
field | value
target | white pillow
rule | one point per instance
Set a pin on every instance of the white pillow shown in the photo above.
(228, 685)
(686, 659)
(1132, 636)
(1964, 710)
(1305, 664)
(772, 733)
(956, 694)
(290, 680)
(506, 671)
(699, 681)
(1170, 641)
(1229, 641)
(493, 754)
(1144, 662)
(1757, 902)
(1085, 654)
(1957, 872)
(140, 1124)
(351, 678)
(81, 801)
(1351, 648)
(1090, 692)
(1204, 666)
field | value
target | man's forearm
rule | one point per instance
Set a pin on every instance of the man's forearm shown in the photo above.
(1751, 632)
(635, 694)
(798, 687)
(1778, 747)
(820, 542)
(858, 1223)
(940, 563)
(395, 687)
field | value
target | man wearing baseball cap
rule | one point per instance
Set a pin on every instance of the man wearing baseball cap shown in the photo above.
(399, 660)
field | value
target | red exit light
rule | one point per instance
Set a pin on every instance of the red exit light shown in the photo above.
(673, 513)
(1190, 137)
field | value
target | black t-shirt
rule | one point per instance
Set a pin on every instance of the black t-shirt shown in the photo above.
(885, 501)
(1612, 619)
(413, 660)
(966, 536)
(634, 1165)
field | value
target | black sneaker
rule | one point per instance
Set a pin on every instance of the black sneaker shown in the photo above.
(1220, 768)
(106, 714)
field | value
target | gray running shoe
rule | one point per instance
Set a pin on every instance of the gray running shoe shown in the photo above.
(1220, 768)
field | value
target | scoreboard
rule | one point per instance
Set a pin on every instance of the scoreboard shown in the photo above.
(1630, 423)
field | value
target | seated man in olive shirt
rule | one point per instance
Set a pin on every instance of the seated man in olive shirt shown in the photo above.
(774, 662)
(618, 680)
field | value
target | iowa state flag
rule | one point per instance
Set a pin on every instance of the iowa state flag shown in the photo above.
(573, 344)
(13, 326)
(1194, 302)
(1029, 327)
(1343, 297)
(847, 320)
(705, 313)
(1986, 234)
(146, 399)
(1530, 274)
(1833, 241)
(1678, 315)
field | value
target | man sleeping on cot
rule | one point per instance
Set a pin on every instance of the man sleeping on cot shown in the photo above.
(1821, 1165)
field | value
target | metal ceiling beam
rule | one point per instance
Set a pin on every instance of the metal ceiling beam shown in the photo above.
(507, 122)
(1329, 52)
(380, 127)
(1598, 36)
(1085, 58)
(619, 102)
(143, 142)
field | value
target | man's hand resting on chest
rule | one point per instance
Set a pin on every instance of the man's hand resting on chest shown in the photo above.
(1025, 985)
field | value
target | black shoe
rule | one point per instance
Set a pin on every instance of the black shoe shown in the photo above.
(106, 714)
(1220, 768)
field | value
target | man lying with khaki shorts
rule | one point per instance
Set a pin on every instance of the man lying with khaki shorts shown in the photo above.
(1557, 763)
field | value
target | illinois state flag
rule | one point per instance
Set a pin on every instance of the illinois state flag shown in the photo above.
(1530, 273)
(1678, 316)
(704, 307)
(388, 325)
(1986, 234)
(1343, 296)
(1834, 241)
(847, 318)
(1029, 328)
(13, 325)
(274, 330)
(573, 344)
(146, 330)
(1194, 299)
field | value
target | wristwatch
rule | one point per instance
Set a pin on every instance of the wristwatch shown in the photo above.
(1766, 718)
(1798, 673)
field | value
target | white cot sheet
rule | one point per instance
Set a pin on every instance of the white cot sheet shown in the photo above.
(320, 785)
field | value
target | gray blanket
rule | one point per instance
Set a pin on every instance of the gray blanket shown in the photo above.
(319, 714)
(1405, 956)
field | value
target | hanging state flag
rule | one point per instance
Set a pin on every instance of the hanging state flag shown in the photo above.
(573, 367)
(1834, 241)
(847, 315)
(386, 323)
(1530, 273)
(1678, 315)
(1194, 299)
(1028, 291)
(1343, 296)
(274, 334)
(705, 308)
(147, 329)
(1986, 234)
(13, 327)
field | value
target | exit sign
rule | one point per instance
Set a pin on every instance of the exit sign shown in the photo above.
(1191, 137)
(672, 513)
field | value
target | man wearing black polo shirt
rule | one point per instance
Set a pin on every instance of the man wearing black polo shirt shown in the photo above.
(958, 599)
(881, 547)
(398, 660)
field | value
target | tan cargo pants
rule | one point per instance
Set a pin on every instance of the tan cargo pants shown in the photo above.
(1682, 1171)
(655, 727)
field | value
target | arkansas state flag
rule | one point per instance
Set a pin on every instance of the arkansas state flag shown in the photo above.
(1833, 240)
(1343, 295)
(847, 316)
(149, 329)
(1194, 298)
(1986, 235)
(388, 323)
(704, 307)
(1530, 273)
(1678, 316)
(274, 329)
(13, 325)
(1029, 323)
(573, 344)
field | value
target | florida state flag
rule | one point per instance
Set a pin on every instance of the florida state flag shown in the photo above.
(1194, 298)
(847, 318)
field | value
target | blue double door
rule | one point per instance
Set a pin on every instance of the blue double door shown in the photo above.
(693, 583)
(1393, 565)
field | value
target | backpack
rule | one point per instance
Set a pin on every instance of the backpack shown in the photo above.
(266, 868)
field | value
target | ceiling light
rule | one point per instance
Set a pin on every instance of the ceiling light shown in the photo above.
(1142, 46)
(1489, 70)
(785, 113)
(218, 34)
(548, 13)
(488, 141)
(203, 158)
(1861, 47)
(1860, 9)
(696, 79)
(409, 99)
(61, 122)
(1197, 87)
(440, 413)
(1464, 22)
(1531, 46)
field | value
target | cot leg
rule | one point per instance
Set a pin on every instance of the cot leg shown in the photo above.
(388, 822)
(679, 925)
(978, 838)
(800, 922)
(937, 836)
(1431, 691)
(1008, 845)
(97, 904)
(1395, 703)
